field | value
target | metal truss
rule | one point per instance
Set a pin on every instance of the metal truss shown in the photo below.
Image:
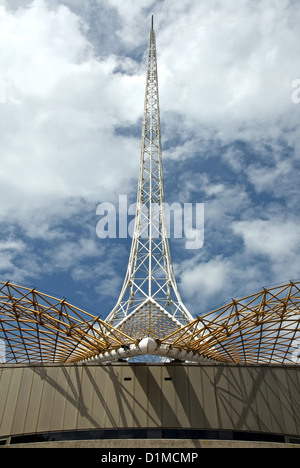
(261, 328)
(36, 327)
(150, 289)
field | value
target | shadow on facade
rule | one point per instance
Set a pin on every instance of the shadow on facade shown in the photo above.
(152, 401)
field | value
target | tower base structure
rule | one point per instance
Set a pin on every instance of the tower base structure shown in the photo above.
(98, 405)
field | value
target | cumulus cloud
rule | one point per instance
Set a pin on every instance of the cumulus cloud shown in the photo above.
(277, 239)
(241, 58)
(206, 279)
(62, 107)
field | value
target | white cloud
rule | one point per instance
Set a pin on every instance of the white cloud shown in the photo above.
(230, 65)
(17, 261)
(205, 281)
(12, 245)
(223, 201)
(62, 106)
(276, 239)
(70, 253)
(272, 179)
(10, 251)
(63, 101)
(235, 158)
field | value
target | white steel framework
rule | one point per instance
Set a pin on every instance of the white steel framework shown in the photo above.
(150, 291)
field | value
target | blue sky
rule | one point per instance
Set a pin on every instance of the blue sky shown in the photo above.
(70, 125)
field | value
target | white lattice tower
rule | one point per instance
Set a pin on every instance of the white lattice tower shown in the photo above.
(150, 303)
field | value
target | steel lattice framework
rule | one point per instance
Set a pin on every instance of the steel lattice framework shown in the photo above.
(37, 327)
(150, 288)
(149, 317)
(261, 328)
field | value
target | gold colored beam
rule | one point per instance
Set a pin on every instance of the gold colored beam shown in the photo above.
(260, 328)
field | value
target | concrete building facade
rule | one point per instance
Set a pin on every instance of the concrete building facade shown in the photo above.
(149, 401)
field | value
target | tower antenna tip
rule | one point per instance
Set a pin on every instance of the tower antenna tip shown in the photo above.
(152, 23)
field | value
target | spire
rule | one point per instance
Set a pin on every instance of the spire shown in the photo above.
(150, 303)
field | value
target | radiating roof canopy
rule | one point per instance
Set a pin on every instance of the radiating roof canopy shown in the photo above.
(261, 328)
